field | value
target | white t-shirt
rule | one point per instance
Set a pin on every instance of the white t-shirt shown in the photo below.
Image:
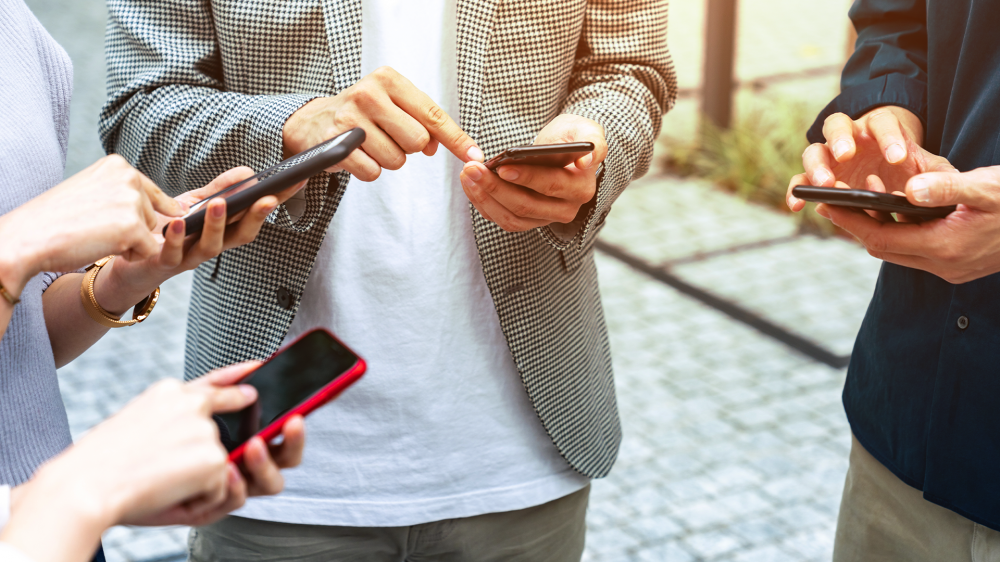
(441, 426)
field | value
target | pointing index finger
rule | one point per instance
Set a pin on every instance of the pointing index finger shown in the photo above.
(438, 123)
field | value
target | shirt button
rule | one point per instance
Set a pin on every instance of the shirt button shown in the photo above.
(963, 322)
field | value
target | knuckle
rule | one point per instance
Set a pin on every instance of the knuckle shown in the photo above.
(833, 119)
(568, 215)
(116, 160)
(876, 244)
(364, 95)
(167, 386)
(384, 74)
(417, 142)
(878, 115)
(476, 196)
(371, 173)
(435, 115)
(521, 209)
(510, 224)
(948, 254)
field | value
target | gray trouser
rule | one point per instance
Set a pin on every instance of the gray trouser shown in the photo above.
(552, 532)
(882, 519)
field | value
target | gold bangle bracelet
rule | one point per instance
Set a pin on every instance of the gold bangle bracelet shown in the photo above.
(7, 296)
(97, 312)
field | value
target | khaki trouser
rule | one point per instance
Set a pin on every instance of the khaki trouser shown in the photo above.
(552, 532)
(882, 519)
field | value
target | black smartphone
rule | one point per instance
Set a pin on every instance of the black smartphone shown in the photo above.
(299, 378)
(870, 200)
(552, 155)
(240, 196)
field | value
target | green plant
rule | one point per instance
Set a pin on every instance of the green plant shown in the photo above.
(755, 158)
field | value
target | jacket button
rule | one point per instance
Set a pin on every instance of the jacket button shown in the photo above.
(963, 322)
(284, 298)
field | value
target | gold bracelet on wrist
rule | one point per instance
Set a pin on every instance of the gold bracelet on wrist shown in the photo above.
(7, 296)
(103, 317)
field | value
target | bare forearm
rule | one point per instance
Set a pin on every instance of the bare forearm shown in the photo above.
(71, 330)
(55, 506)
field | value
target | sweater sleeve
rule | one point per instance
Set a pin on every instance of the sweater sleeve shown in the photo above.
(889, 65)
(624, 79)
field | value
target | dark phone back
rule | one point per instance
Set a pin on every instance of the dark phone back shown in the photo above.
(551, 155)
(870, 200)
(278, 178)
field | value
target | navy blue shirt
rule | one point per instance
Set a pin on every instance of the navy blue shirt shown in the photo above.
(923, 386)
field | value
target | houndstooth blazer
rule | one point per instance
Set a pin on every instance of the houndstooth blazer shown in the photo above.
(199, 86)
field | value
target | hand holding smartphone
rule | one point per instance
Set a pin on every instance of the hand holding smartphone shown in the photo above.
(298, 379)
(870, 200)
(240, 196)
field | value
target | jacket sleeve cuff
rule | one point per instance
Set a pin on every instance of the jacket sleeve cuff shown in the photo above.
(629, 131)
(855, 101)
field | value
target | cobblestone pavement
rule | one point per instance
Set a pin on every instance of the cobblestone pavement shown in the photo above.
(735, 445)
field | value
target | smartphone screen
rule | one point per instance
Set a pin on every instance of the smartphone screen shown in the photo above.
(286, 381)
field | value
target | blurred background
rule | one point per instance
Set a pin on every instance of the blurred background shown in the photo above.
(731, 320)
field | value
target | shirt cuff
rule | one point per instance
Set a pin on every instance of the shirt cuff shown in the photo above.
(10, 554)
(855, 101)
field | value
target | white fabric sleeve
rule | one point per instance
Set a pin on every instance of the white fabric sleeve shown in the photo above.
(4, 506)
(10, 554)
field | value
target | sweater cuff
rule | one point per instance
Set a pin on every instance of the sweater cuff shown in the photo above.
(855, 101)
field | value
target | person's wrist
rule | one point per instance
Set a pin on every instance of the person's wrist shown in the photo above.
(291, 130)
(301, 130)
(82, 499)
(118, 286)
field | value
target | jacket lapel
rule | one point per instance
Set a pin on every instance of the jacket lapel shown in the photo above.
(476, 21)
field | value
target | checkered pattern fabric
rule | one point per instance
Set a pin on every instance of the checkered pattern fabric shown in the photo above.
(199, 86)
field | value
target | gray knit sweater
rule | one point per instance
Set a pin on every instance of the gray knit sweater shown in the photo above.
(36, 83)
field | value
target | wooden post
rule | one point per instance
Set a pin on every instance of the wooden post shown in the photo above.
(720, 51)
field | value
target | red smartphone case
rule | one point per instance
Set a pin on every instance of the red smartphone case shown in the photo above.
(321, 397)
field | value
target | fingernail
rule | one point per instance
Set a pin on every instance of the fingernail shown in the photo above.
(791, 202)
(821, 211)
(248, 391)
(895, 153)
(509, 174)
(921, 190)
(474, 173)
(841, 149)
(820, 177)
(177, 227)
(218, 211)
(270, 208)
(587, 160)
(475, 154)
